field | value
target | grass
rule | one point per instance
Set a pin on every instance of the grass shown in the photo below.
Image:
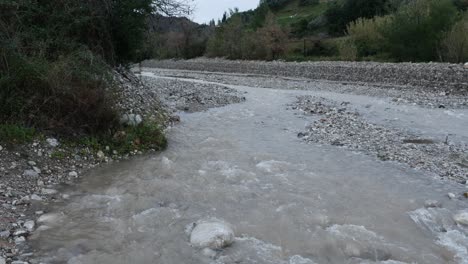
(145, 136)
(293, 13)
(12, 134)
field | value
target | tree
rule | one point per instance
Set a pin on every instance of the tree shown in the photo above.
(273, 37)
(415, 32)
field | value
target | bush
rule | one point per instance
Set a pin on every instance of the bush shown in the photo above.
(308, 2)
(142, 137)
(68, 96)
(341, 13)
(367, 35)
(347, 50)
(417, 28)
(11, 133)
(454, 46)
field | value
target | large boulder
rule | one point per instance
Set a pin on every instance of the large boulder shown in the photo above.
(461, 217)
(213, 234)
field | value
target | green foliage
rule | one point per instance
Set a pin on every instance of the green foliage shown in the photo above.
(11, 133)
(341, 13)
(142, 137)
(68, 95)
(454, 46)
(347, 50)
(234, 40)
(366, 35)
(417, 28)
(308, 2)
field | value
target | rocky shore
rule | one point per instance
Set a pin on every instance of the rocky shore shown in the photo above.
(32, 174)
(340, 125)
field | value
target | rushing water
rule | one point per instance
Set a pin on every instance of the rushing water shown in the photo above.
(289, 202)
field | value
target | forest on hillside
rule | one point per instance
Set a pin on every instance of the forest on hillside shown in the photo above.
(382, 30)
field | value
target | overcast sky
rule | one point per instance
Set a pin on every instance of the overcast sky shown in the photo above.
(205, 10)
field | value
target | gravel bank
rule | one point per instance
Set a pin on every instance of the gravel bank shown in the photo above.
(31, 175)
(430, 77)
(398, 94)
(180, 95)
(341, 126)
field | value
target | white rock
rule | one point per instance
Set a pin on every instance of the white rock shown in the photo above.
(36, 169)
(32, 163)
(29, 225)
(131, 119)
(48, 191)
(213, 234)
(52, 142)
(208, 252)
(31, 173)
(2, 260)
(451, 195)
(66, 196)
(73, 174)
(461, 217)
(20, 232)
(49, 218)
(466, 65)
(19, 262)
(100, 155)
(20, 239)
(36, 197)
(1, 148)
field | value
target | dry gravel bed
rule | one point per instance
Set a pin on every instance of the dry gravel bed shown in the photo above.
(339, 125)
(430, 77)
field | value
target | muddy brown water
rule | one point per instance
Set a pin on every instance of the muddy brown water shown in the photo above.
(288, 202)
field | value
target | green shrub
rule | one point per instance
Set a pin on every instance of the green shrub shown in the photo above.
(348, 50)
(124, 140)
(308, 2)
(71, 95)
(340, 13)
(454, 46)
(11, 133)
(416, 30)
(367, 35)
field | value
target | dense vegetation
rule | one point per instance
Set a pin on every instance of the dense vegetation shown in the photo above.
(384, 30)
(56, 60)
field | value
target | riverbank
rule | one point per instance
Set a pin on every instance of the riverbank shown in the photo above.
(33, 173)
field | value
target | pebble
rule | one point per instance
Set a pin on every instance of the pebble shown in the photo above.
(31, 173)
(5, 234)
(100, 155)
(29, 225)
(451, 196)
(73, 174)
(36, 197)
(213, 234)
(31, 163)
(52, 142)
(2, 260)
(19, 239)
(48, 191)
(431, 203)
(20, 232)
(466, 65)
